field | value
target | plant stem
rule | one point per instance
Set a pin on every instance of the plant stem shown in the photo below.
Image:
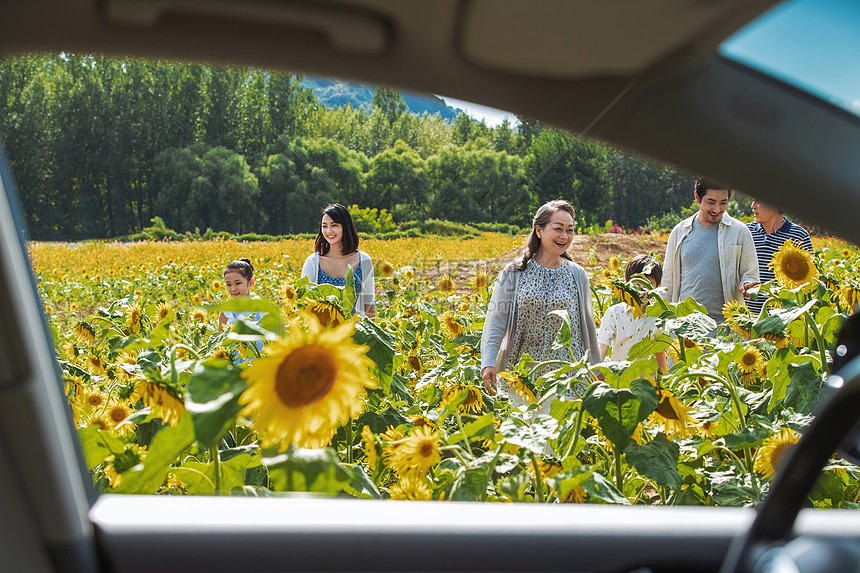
(216, 459)
(819, 338)
(619, 477)
(538, 479)
(462, 431)
(682, 351)
(347, 429)
(576, 426)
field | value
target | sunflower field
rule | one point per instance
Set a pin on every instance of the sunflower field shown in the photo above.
(308, 399)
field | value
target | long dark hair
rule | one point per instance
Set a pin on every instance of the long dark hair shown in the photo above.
(349, 242)
(541, 219)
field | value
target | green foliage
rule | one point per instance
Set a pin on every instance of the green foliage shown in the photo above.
(372, 220)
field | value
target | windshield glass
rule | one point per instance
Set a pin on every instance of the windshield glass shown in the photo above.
(811, 44)
(264, 282)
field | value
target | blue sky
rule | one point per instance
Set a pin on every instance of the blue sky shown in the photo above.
(813, 44)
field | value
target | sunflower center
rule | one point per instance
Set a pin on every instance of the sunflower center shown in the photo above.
(307, 374)
(425, 450)
(664, 408)
(117, 415)
(749, 359)
(778, 454)
(795, 267)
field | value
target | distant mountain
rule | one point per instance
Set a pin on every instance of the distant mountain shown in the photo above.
(336, 93)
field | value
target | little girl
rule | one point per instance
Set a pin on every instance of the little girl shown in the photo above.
(238, 278)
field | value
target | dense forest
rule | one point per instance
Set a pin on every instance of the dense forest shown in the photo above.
(100, 146)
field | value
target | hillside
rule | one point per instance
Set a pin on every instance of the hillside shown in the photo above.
(336, 93)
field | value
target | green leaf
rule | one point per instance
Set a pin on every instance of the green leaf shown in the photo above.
(166, 446)
(656, 460)
(649, 346)
(381, 349)
(695, 326)
(212, 398)
(270, 324)
(470, 485)
(199, 477)
(158, 335)
(618, 411)
(749, 438)
(97, 444)
(568, 480)
(599, 488)
(482, 428)
(307, 470)
(804, 388)
(533, 436)
(562, 339)
(347, 293)
(361, 485)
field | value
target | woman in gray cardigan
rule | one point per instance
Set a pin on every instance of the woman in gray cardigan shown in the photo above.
(519, 318)
(336, 250)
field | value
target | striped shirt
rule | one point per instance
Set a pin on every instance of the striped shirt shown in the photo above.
(767, 245)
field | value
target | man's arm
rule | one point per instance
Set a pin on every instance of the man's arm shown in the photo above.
(748, 266)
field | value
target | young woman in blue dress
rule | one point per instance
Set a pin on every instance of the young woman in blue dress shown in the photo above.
(336, 249)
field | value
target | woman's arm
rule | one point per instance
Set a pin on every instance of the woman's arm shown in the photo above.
(311, 268)
(368, 285)
(222, 320)
(662, 364)
(496, 325)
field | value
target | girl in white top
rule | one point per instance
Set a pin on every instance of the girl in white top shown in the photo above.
(519, 317)
(619, 328)
(336, 249)
(238, 278)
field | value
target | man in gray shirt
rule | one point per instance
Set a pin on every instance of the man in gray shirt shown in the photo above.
(710, 256)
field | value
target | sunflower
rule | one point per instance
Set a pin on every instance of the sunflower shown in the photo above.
(751, 361)
(325, 313)
(216, 285)
(518, 385)
(445, 285)
(133, 316)
(414, 363)
(778, 339)
(418, 453)
(793, 266)
(316, 440)
(85, 333)
(94, 400)
(850, 296)
(386, 269)
(409, 274)
(288, 294)
(451, 325)
(796, 330)
(547, 468)
(196, 300)
(95, 365)
(473, 403)
(576, 495)
(672, 415)
(199, 315)
(412, 488)
(772, 453)
(614, 263)
(163, 311)
(625, 293)
(163, 401)
(221, 353)
(100, 421)
(391, 438)
(464, 305)
(118, 411)
(480, 280)
(846, 253)
(733, 309)
(308, 384)
(422, 421)
(368, 441)
(117, 464)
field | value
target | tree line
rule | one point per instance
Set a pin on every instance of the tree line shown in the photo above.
(99, 146)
